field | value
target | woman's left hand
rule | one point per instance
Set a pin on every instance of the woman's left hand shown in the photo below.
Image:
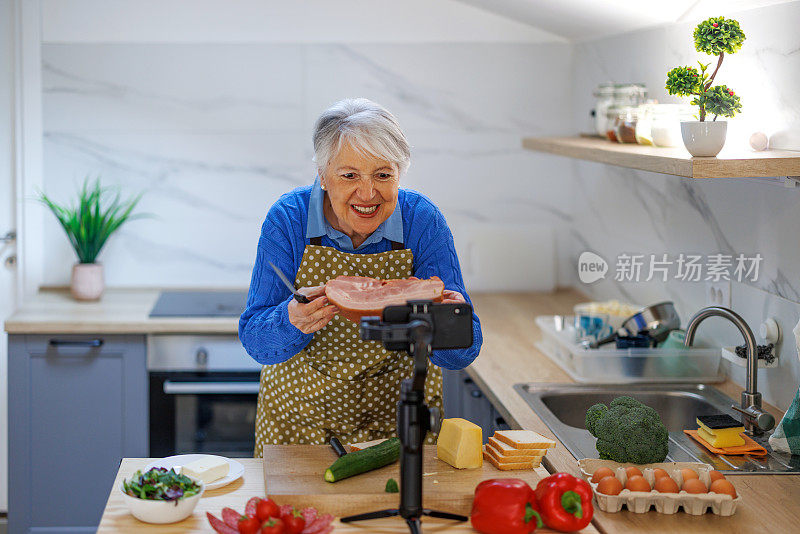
(452, 297)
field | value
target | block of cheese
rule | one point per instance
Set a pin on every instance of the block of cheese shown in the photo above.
(524, 439)
(502, 458)
(208, 469)
(459, 444)
(720, 430)
(507, 450)
(508, 466)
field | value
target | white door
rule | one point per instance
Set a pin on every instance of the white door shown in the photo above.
(8, 268)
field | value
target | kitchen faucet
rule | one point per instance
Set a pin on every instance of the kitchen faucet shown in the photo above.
(756, 420)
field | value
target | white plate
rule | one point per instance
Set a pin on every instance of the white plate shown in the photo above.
(235, 469)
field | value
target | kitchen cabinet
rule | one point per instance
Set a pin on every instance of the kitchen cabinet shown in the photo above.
(77, 406)
(463, 398)
(676, 161)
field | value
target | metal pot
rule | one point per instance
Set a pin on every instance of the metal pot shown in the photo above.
(657, 321)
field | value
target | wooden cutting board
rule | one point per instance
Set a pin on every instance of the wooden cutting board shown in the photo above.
(293, 474)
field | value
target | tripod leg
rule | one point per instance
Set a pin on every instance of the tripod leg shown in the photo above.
(414, 525)
(391, 512)
(444, 515)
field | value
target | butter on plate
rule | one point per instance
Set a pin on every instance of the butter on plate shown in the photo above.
(208, 469)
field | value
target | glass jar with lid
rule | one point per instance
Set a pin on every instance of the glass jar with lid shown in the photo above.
(604, 95)
(644, 124)
(666, 123)
(625, 124)
(624, 95)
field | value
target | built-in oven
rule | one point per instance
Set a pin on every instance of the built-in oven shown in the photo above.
(203, 395)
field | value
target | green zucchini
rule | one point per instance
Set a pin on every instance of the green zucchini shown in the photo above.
(355, 463)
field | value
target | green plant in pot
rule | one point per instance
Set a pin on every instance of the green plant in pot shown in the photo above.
(716, 36)
(98, 214)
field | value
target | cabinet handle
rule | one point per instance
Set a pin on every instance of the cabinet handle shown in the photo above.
(475, 393)
(76, 343)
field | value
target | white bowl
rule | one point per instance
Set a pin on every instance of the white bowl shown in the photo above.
(160, 512)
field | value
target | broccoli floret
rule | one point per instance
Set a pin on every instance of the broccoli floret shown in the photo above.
(594, 414)
(628, 431)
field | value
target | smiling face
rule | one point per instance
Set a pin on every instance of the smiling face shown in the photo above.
(361, 192)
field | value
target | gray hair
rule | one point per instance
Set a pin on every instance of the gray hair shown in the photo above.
(369, 127)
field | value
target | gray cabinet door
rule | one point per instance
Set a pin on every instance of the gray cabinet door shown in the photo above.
(77, 406)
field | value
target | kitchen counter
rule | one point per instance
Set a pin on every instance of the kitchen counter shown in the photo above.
(770, 503)
(116, 517)
(508, 357)
(120, 311)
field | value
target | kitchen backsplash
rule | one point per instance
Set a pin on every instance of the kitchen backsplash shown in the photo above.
(213, 134)
(617, 211)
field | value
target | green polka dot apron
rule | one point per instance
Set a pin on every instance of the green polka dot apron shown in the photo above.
(339, 385)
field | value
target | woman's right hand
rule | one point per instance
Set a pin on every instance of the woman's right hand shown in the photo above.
(314, 316)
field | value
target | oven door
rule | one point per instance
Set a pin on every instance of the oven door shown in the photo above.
(203, 412)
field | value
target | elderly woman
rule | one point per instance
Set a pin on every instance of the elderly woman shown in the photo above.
(319, 378)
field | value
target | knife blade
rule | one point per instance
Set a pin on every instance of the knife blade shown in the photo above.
(299, 297)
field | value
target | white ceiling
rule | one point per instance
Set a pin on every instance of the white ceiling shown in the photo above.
(580, 20)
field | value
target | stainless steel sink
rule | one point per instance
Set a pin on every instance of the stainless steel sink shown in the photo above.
(563, 408)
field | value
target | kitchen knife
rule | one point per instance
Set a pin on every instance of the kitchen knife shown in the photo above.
(337, 446)
(299, 297)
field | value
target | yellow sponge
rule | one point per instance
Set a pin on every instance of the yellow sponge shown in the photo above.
(720, 430)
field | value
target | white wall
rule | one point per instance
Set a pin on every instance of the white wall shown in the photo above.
(619, 210)
(214, 132)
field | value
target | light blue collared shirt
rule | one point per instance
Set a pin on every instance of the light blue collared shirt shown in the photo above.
(318, 225)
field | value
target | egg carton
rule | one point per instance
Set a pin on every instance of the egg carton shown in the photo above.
(665, 503)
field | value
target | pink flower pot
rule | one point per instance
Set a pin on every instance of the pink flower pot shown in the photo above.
(87, 281)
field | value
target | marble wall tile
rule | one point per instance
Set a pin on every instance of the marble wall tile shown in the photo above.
(173, 87)
(213, 134)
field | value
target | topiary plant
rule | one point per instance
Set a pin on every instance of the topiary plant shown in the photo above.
(715, 37)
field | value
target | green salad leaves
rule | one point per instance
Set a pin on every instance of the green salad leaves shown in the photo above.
(161, 485)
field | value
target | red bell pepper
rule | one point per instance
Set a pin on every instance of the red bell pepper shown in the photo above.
(565, 502)
(505, 506)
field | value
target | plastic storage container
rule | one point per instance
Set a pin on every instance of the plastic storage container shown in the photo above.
(610, 365)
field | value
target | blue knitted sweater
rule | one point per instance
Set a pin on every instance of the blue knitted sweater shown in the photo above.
(264, 327)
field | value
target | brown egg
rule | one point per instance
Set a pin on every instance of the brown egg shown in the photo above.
(693, 485)
(723, 486)
(602, 473)
(609, 486)
(688, 473)
(665, 485)
(715, 475)
(637, 483)
(659, 473)
(633, 472)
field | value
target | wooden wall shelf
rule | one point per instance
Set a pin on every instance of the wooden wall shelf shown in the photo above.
(675, 161)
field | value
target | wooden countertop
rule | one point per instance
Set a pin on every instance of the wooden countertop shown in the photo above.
(770, 503)
(116, 517)
(120, 311)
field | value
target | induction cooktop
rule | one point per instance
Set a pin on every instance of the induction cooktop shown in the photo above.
(199, 304)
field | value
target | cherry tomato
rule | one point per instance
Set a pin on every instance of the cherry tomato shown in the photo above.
(273, 525)
(267, 508)
(293, 522)
(248, 525)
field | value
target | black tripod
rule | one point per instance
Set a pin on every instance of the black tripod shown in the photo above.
(414, 418)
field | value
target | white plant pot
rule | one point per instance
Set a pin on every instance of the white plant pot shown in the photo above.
(704, 138)
(87, 281)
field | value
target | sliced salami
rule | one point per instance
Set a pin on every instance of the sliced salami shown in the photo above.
(250, 507)
(219, 525)
(309, 514)
(319, 524)
(286, 509)
(231, 517)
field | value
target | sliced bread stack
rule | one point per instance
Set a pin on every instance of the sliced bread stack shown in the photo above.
(516, 449)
